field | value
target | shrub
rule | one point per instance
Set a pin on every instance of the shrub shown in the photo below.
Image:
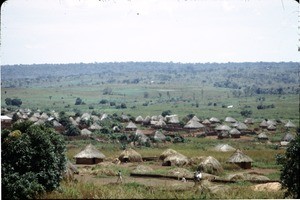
(32, 162)
(166, 112)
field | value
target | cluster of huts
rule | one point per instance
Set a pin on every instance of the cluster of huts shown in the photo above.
(227, 128)
(91, 155)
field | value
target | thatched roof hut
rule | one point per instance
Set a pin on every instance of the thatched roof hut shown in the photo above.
(224, 148)
(172, 119)
(206, 122)
(239, 158)
(175, 160)
(288, 137)
(242, 126)
(130, 155)
(290, 125)
(159, 136)
(222, 128)
(147, 120)
(89, 155)
(125, 118)
(271, 122)
(230, 120)
(264, 124)
(249, 121)
(262, 136)
(85, 132)
(235, 133)
(210, 165)
(166, 153)
(192, 124)
(214, 120)
(142, 138)
(195, 118)
(131, 127)
(160, 124)
(139, 119)
(271, 127)
(95, 126)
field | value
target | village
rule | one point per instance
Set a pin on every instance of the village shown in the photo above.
(136, 135)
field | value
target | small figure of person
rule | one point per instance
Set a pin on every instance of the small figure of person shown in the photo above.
(119, 177)
(183, 180)
(197, 177)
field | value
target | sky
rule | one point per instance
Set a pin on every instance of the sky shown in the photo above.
(186, 31)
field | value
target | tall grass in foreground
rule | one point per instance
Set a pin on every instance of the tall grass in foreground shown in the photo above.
(138, 191)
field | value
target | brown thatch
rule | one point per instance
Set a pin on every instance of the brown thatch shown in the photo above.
(139, 119)
(130, 155)
(172, 119)
(89, 155)
(242, 126)
(264, 124)
(160, 124)
(224, 148)
(288, 137)
(147, 120)
(271, 127)
(235, 133)
(249, 121)
(239, 158)
(131, 126)
(210, 165)
(166, 153)
(222, 128)
(206, 122)
(195, 118)
(214, 120)
(262, 136)
(290, 125)
(85, 132)
(230, 120)
(159, 136)
(192, 124)
(180, 172)
(175, 160)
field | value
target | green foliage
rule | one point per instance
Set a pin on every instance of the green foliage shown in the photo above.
(32, 161)
(72, 130)
(78, 101)
(166, 112)
(13, 102)
(246, 113)
(291, 168)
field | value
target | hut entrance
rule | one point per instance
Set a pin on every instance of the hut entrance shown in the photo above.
(167, 163)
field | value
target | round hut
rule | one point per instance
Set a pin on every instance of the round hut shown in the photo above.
(130, 155)
(240, 159)
(89, 155)
(234, 133)
(210, 165)
(131, 127)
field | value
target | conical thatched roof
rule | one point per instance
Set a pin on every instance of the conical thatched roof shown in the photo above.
(73, 121)
(290, 125)
(176, 159)
(90, 151)
(234, 131)
(57, 124)
(85, 116)
(224, 148)
(160, 123)
(33, 119)
(238, 157)
(131, 125)
(95, 127)
(262, 136)
(288, 137)
(271, 122)
(249, 121)
(139, 119)
(206, 122)
(44, 116)
(195, 118)
(214, 120)
(125, 118)
(172, 119)
(166, 153)
(271, 127)
(159, 136)
(222, 128)
(242, 126)
(192, 124)
(210, 165)
(130, 155)
(85, 132)
(147, 120)
(264, 124)
(141, 136)
(230, 120)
